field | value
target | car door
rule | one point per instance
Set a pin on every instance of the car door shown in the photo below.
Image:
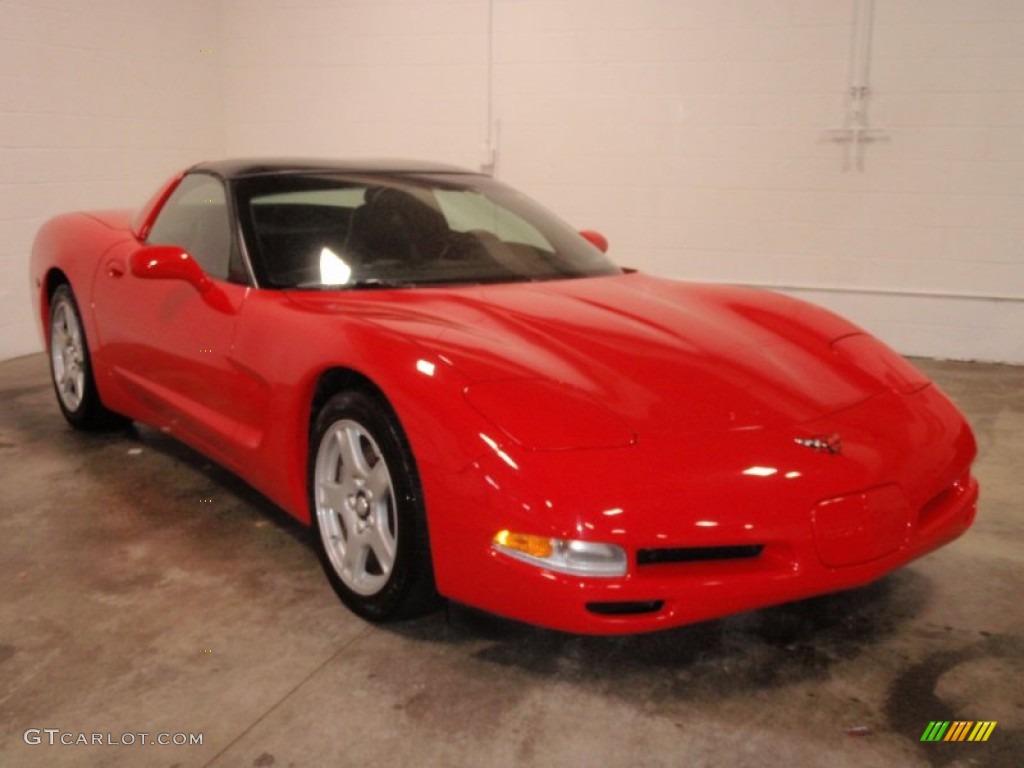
(167, 343)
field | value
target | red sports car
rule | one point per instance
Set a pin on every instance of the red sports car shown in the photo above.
(466, 398)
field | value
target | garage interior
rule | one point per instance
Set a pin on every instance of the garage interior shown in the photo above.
(867, 155)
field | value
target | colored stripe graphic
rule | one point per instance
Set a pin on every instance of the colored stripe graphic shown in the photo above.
(982, 730)
(958, 730)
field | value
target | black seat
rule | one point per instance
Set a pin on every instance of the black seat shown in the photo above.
(395, 226)
(291, 238)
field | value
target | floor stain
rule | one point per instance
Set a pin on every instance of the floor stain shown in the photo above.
(914, 700)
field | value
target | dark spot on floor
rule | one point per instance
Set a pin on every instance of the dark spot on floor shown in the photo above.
(913, 701)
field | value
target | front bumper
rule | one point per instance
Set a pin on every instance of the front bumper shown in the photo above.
(662, 596)
(742, 519)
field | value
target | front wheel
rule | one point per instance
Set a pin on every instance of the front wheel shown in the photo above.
(367, 509)
(71, 367)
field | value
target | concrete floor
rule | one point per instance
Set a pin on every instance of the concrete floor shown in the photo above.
(145, 590)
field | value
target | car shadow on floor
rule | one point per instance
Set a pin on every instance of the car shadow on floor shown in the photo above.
(774, 646)
(195, 475)
(752, 650)
(769, 647)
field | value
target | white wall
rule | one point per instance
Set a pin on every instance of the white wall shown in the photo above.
(99, 101)
(693, 132)
(382, 78)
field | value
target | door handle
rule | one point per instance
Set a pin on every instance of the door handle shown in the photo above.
(115, 268)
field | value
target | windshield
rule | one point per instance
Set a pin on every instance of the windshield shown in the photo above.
(319, 231)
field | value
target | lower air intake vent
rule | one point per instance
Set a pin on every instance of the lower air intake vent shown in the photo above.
(696, 554)
(626, 608)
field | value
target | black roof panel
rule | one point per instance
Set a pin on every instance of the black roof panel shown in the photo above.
(267, 166)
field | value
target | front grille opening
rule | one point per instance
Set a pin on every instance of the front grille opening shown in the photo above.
(629, 608)
(697, 554)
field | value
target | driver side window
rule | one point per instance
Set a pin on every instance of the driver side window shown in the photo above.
(195, 217)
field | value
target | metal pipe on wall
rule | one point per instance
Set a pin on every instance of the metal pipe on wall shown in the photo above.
(855, 131)
(489, 150)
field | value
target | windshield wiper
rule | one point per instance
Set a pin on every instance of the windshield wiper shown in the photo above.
(375, 283)
(369, 283)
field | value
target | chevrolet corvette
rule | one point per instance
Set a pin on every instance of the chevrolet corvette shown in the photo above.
(466, 399)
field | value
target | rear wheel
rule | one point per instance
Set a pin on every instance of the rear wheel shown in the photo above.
(71, 367)
(368, 510)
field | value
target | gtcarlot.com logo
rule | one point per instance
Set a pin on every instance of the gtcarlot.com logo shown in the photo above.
(55, 736)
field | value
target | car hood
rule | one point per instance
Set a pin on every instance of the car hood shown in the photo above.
(662, 355)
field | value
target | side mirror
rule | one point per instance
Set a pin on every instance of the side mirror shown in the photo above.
(169, 262)
(596, 239)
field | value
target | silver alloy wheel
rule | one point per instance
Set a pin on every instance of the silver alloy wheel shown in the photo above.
(355, 507)
(67, 355)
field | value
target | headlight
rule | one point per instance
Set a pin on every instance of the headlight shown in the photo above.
(542, 415)
(580, 558)
(881, 363)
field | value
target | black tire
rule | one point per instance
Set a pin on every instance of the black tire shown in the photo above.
(367, 510)
(71, 367)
